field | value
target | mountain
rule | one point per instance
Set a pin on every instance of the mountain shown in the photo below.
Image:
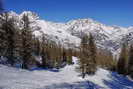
(69, 34)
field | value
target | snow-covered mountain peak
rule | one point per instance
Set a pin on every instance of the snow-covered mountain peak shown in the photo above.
(83, 22)
(79, 21)
(12, 13)
(31, 15)
(131, 27)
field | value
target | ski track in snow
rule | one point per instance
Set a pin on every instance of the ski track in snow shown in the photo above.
(65, 78)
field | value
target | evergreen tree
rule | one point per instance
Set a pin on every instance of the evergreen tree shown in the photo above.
(2, 31)
(91, 62)
(69, 56)
(58, 55)
(17, 45)
(27, 43)
(130, 62)
(11, 40)
(3, 37)
(88, 55)
(82, 62)
(50, 53)
(60, 58)
(106, 60)
(44, 52)
(37, 46)
(121, 65)
(8, 37)
(64, 55)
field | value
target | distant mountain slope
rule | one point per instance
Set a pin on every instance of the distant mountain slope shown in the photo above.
(69, 34)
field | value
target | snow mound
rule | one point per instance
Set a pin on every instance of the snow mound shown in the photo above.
(65, 78)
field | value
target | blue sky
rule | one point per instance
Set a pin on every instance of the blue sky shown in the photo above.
(110, 12)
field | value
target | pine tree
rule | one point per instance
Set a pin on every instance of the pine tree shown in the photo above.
(17, 45)
(37, 46)
(82, 63)
(11, 41)
(69, 56)
(51, 59)
(44, 52)
(8, 40)
(88, 53)
(84, 55)
(2, 31)
(121, 65)
(64, 55)
(106, 60)
(27, 44)
(3, 37)
(91, 62)
(130, 62)
(58, 54)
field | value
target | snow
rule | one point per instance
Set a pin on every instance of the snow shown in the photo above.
(65, 78)
(56, 30)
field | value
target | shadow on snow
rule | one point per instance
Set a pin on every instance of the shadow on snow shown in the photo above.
(45, 69)
(118, 82)
(76, 85)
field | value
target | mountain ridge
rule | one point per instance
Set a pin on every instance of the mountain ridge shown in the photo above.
(69, 34)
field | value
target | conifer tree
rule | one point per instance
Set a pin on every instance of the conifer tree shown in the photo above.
(84, 55)
(64, 55)
(2, 31)
(82, 63)
(37, 46)
(44, 52)
(51, 60)
(88, 55)
(17, 45)
(130, 62)
(121, 65)
(26, 42)
(58, 54)
(91, 62)
(106, 60)
(69, 56)
(8, 37)
(3, 37)
(11, 40)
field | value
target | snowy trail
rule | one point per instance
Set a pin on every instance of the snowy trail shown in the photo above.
(66, 78)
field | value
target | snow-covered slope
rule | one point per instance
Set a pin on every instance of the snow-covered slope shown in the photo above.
(65, 78)
(69, 34)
